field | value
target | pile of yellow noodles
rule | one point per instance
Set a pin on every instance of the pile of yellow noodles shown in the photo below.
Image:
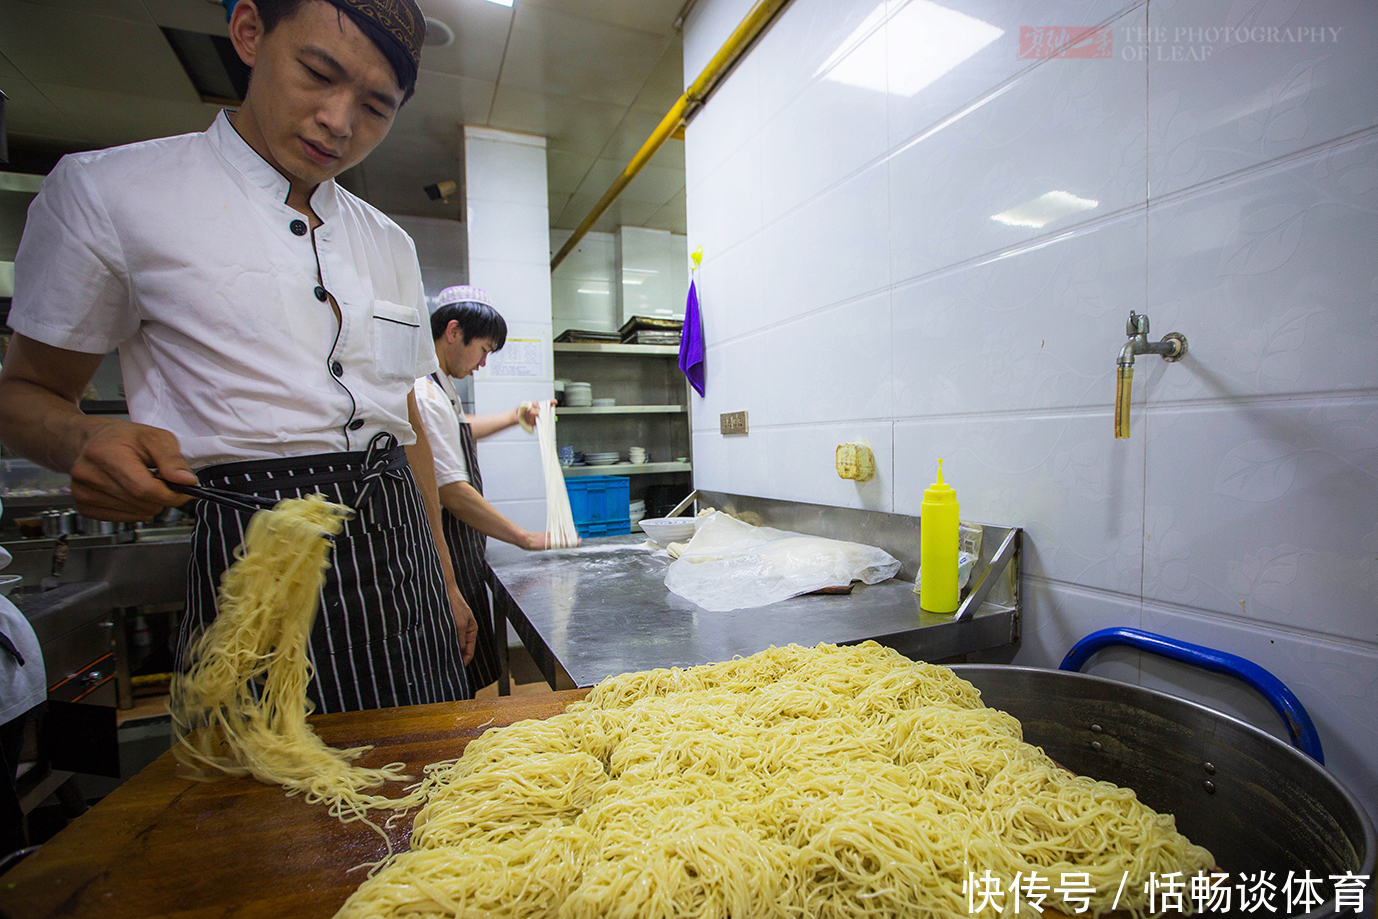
(241, 707)
(824, 782)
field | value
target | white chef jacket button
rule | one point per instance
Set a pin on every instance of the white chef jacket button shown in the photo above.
(320, 293)
(356, 424)
(298, 227)
(337, 368)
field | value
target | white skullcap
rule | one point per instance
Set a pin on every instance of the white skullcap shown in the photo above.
(463, 293)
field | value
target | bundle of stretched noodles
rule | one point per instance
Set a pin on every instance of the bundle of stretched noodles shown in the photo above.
(241, 706)
(825, 782)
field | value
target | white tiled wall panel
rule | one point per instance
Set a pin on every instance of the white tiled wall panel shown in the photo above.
(942, 260)
(1064, 478)
(1273, 279)
(1036, 330)
(1269, 79)
(1265, 511)
(1072, 129)
(509, 256)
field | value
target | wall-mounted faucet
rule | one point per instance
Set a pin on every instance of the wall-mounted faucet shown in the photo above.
(1171, 348)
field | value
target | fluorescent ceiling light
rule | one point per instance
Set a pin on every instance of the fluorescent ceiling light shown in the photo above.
(501, 2)
(1044, 209)
(585, 290)
(928, 41)
(633, 281)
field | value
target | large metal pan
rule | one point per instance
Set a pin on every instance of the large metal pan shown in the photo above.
(1258, 804)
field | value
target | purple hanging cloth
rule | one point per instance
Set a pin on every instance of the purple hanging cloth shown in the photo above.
(691, 342)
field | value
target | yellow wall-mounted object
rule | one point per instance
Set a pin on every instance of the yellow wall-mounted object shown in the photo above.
(856, 461)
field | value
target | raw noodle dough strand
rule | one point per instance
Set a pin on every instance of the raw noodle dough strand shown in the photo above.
(559, 517)
(241, 707)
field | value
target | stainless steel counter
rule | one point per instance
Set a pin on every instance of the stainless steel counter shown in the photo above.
(603, 609)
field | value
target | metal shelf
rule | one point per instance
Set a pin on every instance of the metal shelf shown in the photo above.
(620, 410)
(627, 469)
(593, 347)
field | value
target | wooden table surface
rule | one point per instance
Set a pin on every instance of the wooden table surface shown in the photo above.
(165, 846)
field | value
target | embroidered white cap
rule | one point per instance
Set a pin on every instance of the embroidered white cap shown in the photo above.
(463, 293)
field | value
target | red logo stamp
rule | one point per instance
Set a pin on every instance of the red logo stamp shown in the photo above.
(1038, 42)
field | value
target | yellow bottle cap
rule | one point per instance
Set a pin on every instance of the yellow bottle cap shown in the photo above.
(940, 492)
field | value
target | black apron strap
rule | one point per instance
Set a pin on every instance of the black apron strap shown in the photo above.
(469, 556)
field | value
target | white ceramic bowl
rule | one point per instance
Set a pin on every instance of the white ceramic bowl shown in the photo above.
(665, 530)
(9, 582)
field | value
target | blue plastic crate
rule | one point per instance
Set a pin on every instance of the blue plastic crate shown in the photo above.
(600, 499)
(610, 528)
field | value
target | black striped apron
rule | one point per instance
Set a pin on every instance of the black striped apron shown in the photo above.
(385, 635)
(469, 555)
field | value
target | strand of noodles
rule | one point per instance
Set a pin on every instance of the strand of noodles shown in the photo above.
(241, 706)
(798, 782)
(558, 516)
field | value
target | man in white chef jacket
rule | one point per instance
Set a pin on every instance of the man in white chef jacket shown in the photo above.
(270, 328)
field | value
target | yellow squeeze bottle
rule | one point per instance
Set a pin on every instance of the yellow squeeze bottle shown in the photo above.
(938, 547)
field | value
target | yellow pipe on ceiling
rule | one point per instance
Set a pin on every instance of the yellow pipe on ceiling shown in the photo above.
(737, 44)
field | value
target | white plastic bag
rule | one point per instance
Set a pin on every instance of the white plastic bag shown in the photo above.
(732, 565)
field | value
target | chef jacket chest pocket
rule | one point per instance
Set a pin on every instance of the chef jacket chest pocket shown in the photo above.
(396, 340)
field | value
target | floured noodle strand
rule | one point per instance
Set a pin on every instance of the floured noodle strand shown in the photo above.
(795, 783)
(559, 519)
(241, 706)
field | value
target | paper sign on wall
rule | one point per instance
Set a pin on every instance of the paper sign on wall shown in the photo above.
(520, 357)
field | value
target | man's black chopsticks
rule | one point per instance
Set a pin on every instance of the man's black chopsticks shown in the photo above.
(232, 499)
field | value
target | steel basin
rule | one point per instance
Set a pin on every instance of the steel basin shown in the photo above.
(1257, 803)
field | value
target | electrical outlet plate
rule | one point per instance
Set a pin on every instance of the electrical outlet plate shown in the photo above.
(732, 422)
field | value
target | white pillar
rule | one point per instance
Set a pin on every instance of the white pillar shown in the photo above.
(509, 256)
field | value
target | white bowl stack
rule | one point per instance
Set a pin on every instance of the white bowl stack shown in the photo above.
(635, 511)
(636, 455)
(602, 459)
(578, 395)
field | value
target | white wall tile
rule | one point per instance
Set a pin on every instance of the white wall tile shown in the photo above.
(1057, 616)
(831, 365)
(519, 465)
(1258, 94)
(496, 171)
(1037, 330)
(802, 462)
(1067, 127)
(1075, 489)
(505, 395)
(731, 292)
(521, 292)
(1336, 683)
(805, 38)
(502, 231)
(726, 207)
(1272, 280)
(991, 65)
(706, 29)
(738, 464)
(819, 138)
(1266, 511)
(720, 128)
(830, 250)
(731, 377)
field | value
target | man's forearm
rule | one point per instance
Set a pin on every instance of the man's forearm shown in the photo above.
(486, 425)
(38, 422)
(464, 501)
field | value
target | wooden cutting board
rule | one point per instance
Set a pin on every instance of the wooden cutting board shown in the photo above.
(165, 846)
